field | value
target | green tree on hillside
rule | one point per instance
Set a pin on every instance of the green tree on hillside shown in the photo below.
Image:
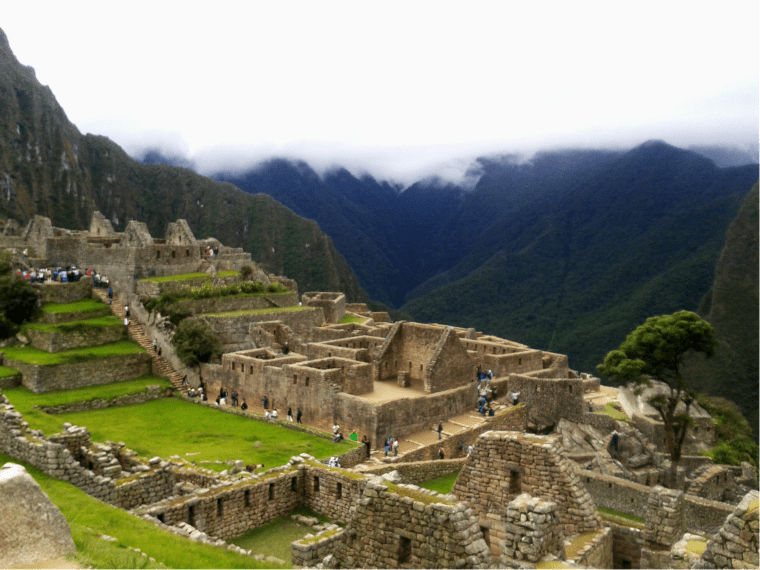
(655, 351)
(18, 299)
(195, 342)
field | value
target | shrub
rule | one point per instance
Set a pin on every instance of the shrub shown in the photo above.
(735, 442)
(195, 342)
(246, 272)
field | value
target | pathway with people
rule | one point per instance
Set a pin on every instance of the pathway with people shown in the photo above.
(161, 366)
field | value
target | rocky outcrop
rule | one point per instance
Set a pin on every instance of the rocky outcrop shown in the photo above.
(33, 529)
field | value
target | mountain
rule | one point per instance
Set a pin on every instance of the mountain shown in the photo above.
(731, 306)
(48, 167)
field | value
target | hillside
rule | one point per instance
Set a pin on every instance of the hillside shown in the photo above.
(48, 167)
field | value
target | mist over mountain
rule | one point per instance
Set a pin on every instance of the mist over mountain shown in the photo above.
(48, 167)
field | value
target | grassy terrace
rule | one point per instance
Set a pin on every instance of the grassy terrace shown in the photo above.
(621, 518)
(611, 410)
(42, 358)
(274, 538)
(89, 518)
(292, 309)
(77, 307)
(95, 323)
(442, 485)
(171, 426)
(6, 372)
(189, 277)
(348, 319)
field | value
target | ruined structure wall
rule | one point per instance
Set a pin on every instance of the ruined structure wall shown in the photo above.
(389, 530)
(450, 365)
(353, 413)
(40, 379)
(505, 464)
(736, 544)
(56, 341)
(712, 484)
(65, 292)
(418, 472)
(317, 350)
(332, 304)
(556, 398)
(231, 329)
(236, 302)
(626, 545)
(332, 492)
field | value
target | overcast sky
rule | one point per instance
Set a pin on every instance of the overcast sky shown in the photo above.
(398, 89)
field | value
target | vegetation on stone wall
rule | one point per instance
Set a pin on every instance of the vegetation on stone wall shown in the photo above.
(40, 357)
(195, 342)
(163, 304)
(735, 442)
(18, 299)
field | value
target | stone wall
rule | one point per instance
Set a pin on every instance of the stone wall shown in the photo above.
(399, 527)
(59, 318)
(704, 516)
(120, 368)
(331, 491)
(56, 341)
(332, 304)
(237, 303)
(231, 329)
(556, 398)
(735, 545)
(626, 545)
(308, 552)
(151, 393)
(65, 292)
(504, 465)
(418, 472)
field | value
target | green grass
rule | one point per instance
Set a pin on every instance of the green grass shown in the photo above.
(292, 309)
(209, 433)
(27, 402)
(274, 538)
(231, 273)
(442, 485)
(347, 319)
(572, 549)
(77, 307)
(33, 355)
(183, 277)
(6, 372)
(94, 323)
(423, 498)
(614, 413)
(610, 512)
(88, 518)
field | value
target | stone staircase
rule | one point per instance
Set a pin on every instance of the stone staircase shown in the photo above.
(452, 426)
(161, 366)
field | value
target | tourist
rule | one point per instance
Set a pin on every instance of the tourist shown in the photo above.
(267, 414)
(336, 427)
(265, 401)
(285, 348)
(110, 296)
(191, 392)
(126, 322)
(615, 441)
(387, 447)
(274, 413)
(290, 414)
(441, 454)
(491, 412)
(155, 345)
(469, 450)
(126, 310)
(515, 396)
(440, 430)
(244, 406)
(298, 416)
(235, 396)
(366, 443)
(395, 447)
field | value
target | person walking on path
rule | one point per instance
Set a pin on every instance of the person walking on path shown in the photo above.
(395, 447)
(440, 430)
(441, 454)
(265, 401)
(290, 414)
(515, 396)
(298, 415)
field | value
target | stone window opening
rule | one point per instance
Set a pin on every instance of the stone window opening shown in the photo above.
(307, 381)
(571, 389)
(339, 490)
(404, 550)
(187, 253)
(486, 535)
(295, 379)
(219, 508)
(316, 484)
(247, 498)
(233, 366)
(519, 361)
(191, 515)
(271, 491)
(174, 254)
(515, 485)
(293, 484)
(160, 517)
(421, 368)
(158, 254)
(250, 370)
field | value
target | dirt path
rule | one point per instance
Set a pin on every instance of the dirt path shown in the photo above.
(51, 564)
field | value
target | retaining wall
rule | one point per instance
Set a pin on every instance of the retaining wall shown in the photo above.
(56, 341)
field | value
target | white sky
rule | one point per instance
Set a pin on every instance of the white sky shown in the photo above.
(399, 89)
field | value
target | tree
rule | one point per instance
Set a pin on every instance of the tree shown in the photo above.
(195, 342)
(655, 351)
(18, 299)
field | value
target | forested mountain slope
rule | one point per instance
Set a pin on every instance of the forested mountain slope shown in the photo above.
(48, 167)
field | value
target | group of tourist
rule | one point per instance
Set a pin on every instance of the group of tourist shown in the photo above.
(70, 274)
(274, 414)
(391, 444)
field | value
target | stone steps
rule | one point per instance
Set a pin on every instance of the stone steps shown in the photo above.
(161, 367)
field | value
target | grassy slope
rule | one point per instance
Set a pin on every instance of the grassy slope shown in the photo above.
(88, 518)
(208, 432)
(42, 358)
